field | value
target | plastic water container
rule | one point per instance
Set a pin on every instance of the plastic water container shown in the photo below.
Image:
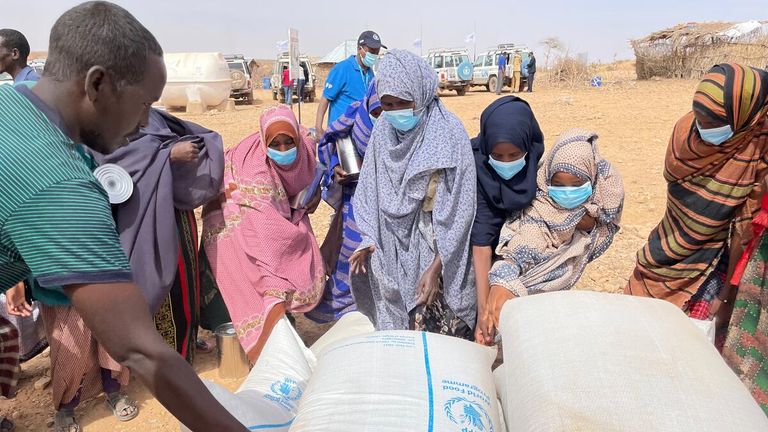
(196, 78)
(265, 83)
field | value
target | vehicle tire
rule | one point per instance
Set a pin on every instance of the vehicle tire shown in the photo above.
(311, 97)
(274, 95)
(239, 79)
(465, 71)
(462, 91)
(248, 99)
(492, 81)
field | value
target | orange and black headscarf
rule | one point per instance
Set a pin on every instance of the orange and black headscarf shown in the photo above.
(732, 94)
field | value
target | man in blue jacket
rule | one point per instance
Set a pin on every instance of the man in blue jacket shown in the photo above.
(531, 72)
(349, 79)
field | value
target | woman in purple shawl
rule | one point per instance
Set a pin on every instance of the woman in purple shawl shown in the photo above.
(338, 189)
(176, 167)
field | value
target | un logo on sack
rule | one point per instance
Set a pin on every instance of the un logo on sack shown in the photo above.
(468, 415)
(286, 389)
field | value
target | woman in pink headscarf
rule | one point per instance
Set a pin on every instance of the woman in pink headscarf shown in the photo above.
(263, 253)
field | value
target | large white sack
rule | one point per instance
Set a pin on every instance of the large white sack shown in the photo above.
(253, 413)
(502, 422)
(499, 377)
(351, 324)
(284, 358)
(269, 397)
(587, 361)
(401, 381)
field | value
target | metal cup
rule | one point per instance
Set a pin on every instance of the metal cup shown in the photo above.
(233, 363)
(345, 149)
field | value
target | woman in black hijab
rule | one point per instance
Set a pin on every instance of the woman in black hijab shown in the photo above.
(507, 153)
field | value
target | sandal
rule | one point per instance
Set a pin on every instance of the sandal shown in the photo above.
(203, 346)
(6, 425)
(64, 421)
(122, 407)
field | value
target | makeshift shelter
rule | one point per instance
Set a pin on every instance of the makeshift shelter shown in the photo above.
(689, 50)
(341, 52)
(325, 64)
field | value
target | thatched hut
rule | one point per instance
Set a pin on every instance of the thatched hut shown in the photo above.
(689, 50)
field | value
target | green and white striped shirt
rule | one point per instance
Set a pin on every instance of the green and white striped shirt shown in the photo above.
(56, 223)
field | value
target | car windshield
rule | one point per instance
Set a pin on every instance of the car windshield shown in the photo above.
(479, 61)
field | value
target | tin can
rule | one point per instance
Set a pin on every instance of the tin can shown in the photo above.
(233, 363)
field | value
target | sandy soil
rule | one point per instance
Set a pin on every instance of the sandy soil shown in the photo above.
(634, 121)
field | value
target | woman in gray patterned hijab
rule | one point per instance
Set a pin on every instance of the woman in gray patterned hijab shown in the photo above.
(415, 204)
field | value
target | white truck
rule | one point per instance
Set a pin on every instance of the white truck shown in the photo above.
(454, 70)
(486, 67)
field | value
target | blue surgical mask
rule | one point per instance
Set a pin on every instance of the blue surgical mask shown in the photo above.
(570, 197)
(370, 59)
(282, 157)
(715, 136)
(402, 120)
(507, 170)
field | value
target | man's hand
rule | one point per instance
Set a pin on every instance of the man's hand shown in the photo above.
(16, 301)
(185, 151)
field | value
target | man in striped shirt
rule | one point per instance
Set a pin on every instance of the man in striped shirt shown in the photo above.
(103, 73)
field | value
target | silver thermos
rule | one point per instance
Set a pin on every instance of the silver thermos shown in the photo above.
(347, 153)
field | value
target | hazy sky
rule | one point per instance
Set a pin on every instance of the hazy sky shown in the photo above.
(600, 28)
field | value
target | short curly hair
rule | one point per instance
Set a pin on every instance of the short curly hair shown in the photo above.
(14, 39)
(99, 33)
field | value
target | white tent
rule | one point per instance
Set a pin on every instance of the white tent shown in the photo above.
(741, 29)
(341, 52)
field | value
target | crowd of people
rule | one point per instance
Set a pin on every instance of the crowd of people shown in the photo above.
(435, 233)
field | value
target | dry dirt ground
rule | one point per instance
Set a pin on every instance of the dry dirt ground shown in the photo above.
(633, 118)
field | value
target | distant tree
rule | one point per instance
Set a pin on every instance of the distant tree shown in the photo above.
(551, 43)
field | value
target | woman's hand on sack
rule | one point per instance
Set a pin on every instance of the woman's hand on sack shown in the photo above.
(341, 177)
(485, 333)
(358, 260)
(185, 151)
(428, 286)
(16, 302)
(587, 223)
(496, 299)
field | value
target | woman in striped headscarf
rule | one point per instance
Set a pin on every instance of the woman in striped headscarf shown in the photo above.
(715, 165)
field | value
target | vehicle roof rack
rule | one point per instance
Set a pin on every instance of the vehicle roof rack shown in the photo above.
(234, 57)
(437, 50)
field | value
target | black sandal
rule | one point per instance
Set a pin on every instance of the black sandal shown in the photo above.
(6, 425)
